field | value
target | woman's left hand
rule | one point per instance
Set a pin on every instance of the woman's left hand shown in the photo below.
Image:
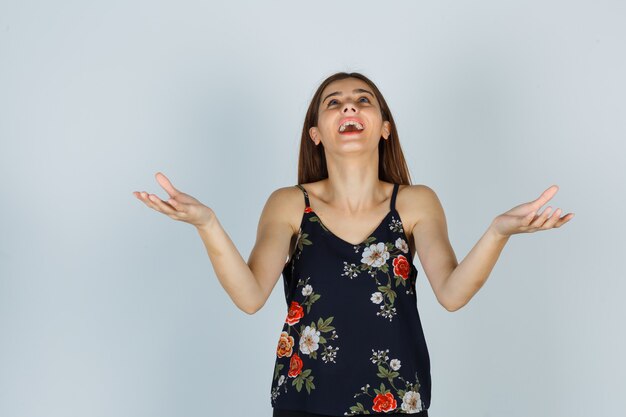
(523, 219)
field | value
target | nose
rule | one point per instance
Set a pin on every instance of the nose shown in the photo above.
(349, 106)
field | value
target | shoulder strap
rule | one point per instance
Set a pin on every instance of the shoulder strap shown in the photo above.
(392, 206)
(306, 195)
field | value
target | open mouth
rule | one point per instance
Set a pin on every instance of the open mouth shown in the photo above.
(351, 127)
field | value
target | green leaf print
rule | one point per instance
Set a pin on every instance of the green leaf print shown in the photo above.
(277, 369)
(298, 383)
(310, 300)
(382, 389)
(303, 241)
(316, 219)
(400, 280)
(324, 325)
(369, 240)
(304, 378)
(382, 372)
(358, 408)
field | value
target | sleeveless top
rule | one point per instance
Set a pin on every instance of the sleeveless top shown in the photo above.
(352, 341)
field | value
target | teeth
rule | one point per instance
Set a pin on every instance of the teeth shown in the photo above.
(350, 122)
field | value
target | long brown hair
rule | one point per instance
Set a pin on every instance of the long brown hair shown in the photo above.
(312, 167)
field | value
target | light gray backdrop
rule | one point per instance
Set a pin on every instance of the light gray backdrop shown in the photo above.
(108, 308)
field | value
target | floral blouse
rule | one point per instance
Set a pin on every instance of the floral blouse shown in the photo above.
(352, 342)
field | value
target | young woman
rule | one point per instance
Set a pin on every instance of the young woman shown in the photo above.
(352, 340)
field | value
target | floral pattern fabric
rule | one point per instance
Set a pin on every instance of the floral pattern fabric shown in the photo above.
(384, 399)
(339, 297)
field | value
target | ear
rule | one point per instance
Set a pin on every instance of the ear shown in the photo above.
(314, 134)
(386, 130)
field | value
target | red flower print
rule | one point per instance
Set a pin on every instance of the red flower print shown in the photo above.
(384, 402)
(308, 210)
(285, 345)
(401, 267)
(295, 313)
(295, 365)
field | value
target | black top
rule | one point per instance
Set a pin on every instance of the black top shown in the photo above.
(352, 340)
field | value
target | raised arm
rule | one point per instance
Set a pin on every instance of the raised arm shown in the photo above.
(250, 284)
(456, 283)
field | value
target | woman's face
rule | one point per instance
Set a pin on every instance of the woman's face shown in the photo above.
(343, 100)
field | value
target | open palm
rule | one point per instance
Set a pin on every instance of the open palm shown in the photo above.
(180, 206)
(524, 219)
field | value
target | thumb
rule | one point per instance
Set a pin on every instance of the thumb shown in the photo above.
(166, 184)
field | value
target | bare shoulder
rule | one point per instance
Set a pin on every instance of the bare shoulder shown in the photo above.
(416, 204)
(416, 201)
(285, 204)
(410, 196)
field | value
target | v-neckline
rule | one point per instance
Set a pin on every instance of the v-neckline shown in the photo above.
(331, 233)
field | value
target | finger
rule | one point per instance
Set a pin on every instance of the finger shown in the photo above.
(545, 197)
(539, 221)
(139, 196)
(554, 217)
(166, 184)
(143, 196)
(178, 206)
(161, 205)
(564, 219)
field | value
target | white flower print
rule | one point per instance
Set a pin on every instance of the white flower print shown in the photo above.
(275, 393)
(281, 380)
(387, 311)
(395, 225)
(402, 245)
(377, 297)
(351, 270)
(329, 354)
(395, 364)
(307, 290)
(379, 355)
(375, 255)
(309, 340)
(411, 402)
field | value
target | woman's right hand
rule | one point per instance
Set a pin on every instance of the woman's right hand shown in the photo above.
(180, 206)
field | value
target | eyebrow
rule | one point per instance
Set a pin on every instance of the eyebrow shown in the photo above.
(356, 90)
